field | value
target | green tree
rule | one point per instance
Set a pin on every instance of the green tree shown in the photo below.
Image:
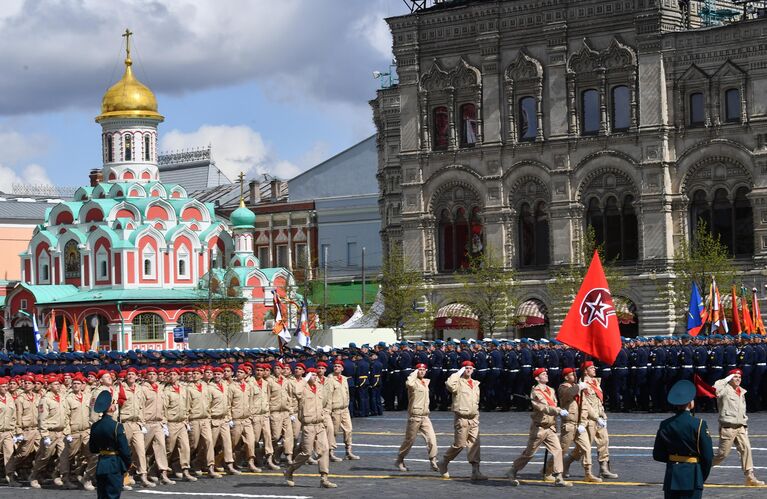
(401, 287)
(705, 256)
(222, 310)
(487, 288)
(568, 279)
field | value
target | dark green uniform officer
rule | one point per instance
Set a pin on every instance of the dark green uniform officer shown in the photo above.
(109, 443)
(683, 443)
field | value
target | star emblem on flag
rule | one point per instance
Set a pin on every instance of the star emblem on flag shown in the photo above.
(597, 306)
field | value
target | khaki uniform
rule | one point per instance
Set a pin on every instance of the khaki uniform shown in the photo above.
(154, 419)
(342, 420)
(260, 420)
(52, 422)
(176, 413)
(327, 388)
(597, 435)
(239, 395)
(77, 426)
(7, 426)
(311, 412)
(220, 415)
(465, 417)
(132, 418)
(279, 413)
(201, 437)
(418, 417)
(543, 429)
(95, 416)
(26, 425)
(733, 425)
(295, 421)
(569, 395)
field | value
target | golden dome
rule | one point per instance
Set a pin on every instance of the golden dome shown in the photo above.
(129, 98)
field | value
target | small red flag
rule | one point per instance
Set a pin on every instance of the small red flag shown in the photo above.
(591, 325)
(703, 389)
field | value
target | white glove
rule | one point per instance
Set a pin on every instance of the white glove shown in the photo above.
(188, 427)
(601, 423)
(729, 378)
(68, 438)
(563, 413)
(47, 441)
(231, 424)
(581, 429)
(307, 377)
(461, 371)
(165, 430)
(143, 429)
(292, 417)
(583, 385)
(18, 438)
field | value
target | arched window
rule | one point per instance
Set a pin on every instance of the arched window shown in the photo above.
(43, 268)
(128, 142)
(71, 260)
(699, 210)
(446, 242)
(183, 262)
(732, 222)
(697, 109)
(148, 327)
(732, 105)
(441, 129)
(191, 321)
(621, 108)
(744, 224)
(590, 112)
(468, 125)
(460, 237)
(147, 147)
(533, 235)
(102, 269)
(630, 230)
(721, 218)
(615, 226)
(110, 149)
(528, 120)
(148, 259)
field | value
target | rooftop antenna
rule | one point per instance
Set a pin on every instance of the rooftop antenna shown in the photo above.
(416, 5)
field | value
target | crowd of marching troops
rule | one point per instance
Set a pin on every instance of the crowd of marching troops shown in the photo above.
(206, 412)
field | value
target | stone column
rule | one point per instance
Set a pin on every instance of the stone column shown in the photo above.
(559, 90)
(489, 125)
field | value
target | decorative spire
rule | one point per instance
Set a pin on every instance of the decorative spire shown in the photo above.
(241, 178)
(127, 36)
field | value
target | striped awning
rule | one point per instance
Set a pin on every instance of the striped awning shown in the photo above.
(456, 316)
(532, 313)
(625, 310)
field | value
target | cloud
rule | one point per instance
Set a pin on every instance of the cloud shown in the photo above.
(320, 50)
(235, 149)
(15, 146)
(31, 174)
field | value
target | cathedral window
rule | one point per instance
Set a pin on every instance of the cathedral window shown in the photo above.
(183, 262)
(459, 232)
(590, 112)
(528, 122)
(148, 259)
(190, 321)
(128, 146)
(441, 125)
(731, 221)
(109, 149)
(147, 147)
(732, 105)
(615, 227)
(620, 99)
(43, 268)
(697, 109)
(533, 235)
(148, 327)
(102, 265)
(71, 260)
(468, 114)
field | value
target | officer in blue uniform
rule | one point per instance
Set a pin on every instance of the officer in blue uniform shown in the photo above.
(376, 383)
(684, 444)
(658, 375)
(107, 440)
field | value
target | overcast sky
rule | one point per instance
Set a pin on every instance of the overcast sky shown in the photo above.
(274, 86)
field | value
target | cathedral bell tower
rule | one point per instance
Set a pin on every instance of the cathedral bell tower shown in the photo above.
(129, 120)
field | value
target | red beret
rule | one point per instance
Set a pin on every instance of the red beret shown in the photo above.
(467, 363)
(3, 381)
(162, 370)
(338, 363)
(586, 364)
(301, 365)
(39, 378)
(150, 370)
(266, 367)
(322, 364)
(735, 371)
(217, 369)
(66, 375)
(567, 370)
(538, 372)
(420, 366)
(101, 373)
(53, 378)
(210, 368)
(279, 364)
(131, 370)
(243, 368)
(28, 377)
(311, 370)
(224, 366)
(78, 377)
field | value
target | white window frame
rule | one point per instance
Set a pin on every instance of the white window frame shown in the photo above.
(148, 253)
(183, 257)
(102, 261)
(44, 262)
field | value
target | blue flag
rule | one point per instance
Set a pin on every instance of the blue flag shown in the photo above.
(696, 312)
(38, 338)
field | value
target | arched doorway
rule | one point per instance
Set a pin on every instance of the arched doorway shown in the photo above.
(532, 319)
(456, 321)
(628, 320)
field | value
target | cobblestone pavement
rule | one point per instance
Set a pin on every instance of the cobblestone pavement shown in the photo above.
(503, 437)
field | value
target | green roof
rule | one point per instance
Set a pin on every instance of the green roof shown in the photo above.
(346, 294)
(151, 295)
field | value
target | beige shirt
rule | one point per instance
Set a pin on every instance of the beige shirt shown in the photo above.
(417, 395)
(7, 413)
(279, 394)
(239, 399)
(26, 411)
(731, 403)
(77, 413)
(465, 395)
(327, 390)
(176, 403)
(154, 402)
(199, 400)
(311, 403)
(595, 396)
(259, 398)
(545, 408)
(133, 406)
(219, 401)
(568, 399)
(95, 416)
(52, 413)
(340, 392)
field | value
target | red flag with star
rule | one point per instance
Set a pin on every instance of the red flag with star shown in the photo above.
(591, 325)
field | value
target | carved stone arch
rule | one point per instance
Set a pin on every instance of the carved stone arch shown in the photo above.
(528, 188)
(618, 55)
(716, 171)
(524, 78)
(607, 180)
(436, 78)
(524, 67)
(453, 194)
(605, 154)
(693, 74)
(729, 69)
(464, 75)
(453, 168)
(585, 60)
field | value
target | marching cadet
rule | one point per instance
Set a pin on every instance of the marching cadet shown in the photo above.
(239, 395)
(221, 418)
(418, 418)
(313, 436)
(201, 437)
(154, 422)
(327, 387)
(298, 373)
(105, 382)
(109, 443)
(131, 400)
(342, 420)
(279, 415)
(573, 429)
(7, 421)
(465, 392)
(597, 430)
(27, 434)
(260, 421)
(176, 407)
(684, 444)
(51, 423)
(543, 429)
(733, 424)
(77, 431)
